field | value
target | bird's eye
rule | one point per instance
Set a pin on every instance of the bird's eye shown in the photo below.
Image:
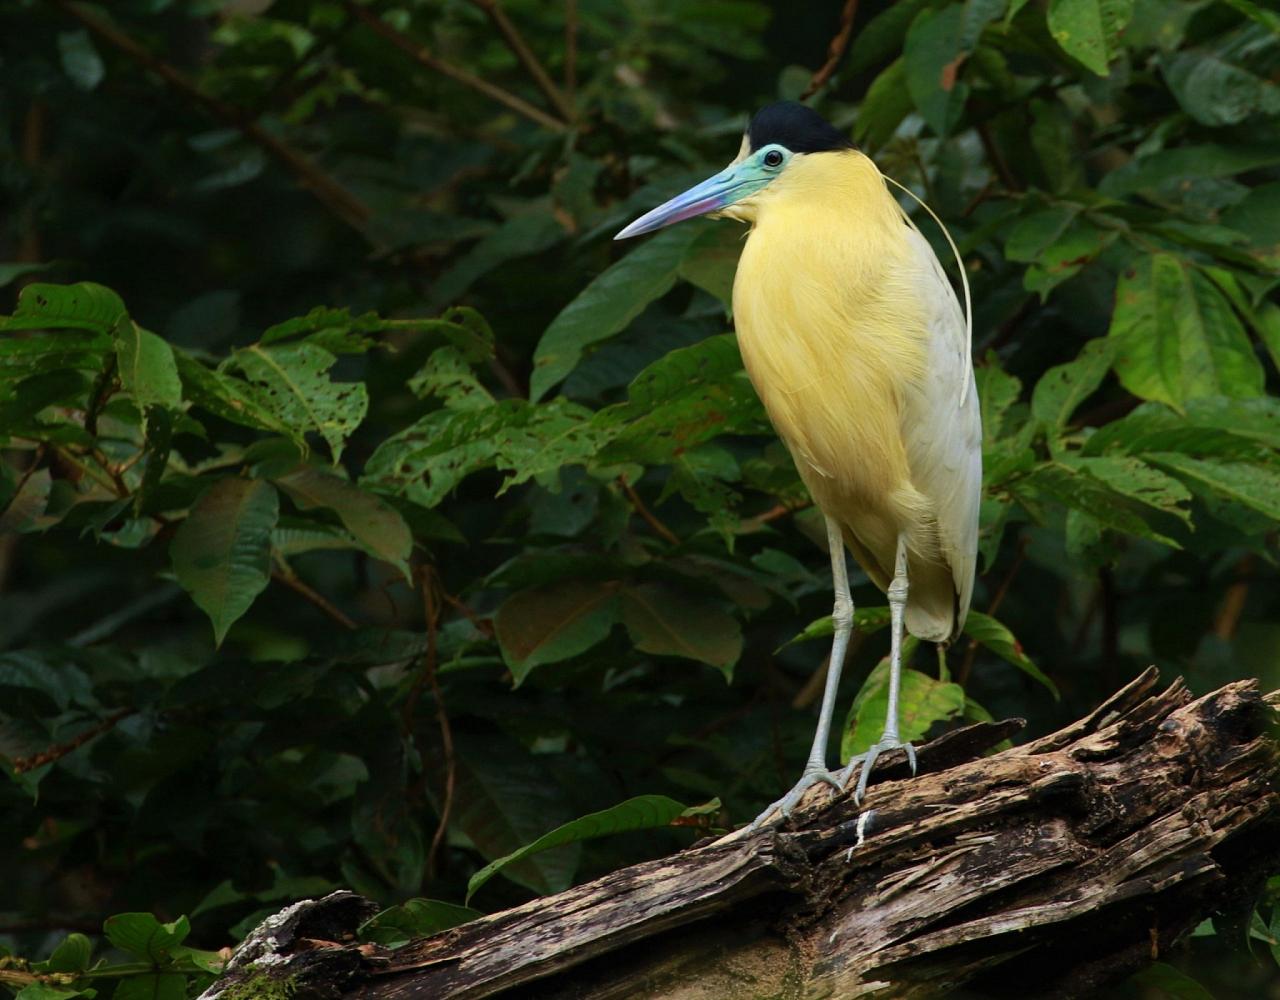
(772, 158)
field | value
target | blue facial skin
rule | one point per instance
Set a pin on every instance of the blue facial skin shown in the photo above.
(737, 181)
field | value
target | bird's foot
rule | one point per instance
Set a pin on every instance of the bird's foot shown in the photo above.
(786, 805)
(868, 761)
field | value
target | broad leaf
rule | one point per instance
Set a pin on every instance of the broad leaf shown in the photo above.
(609, 304)
(83, 306)
(1063, 388)
(222, 551)
(665, 622)
(148, 370)
(141, 934)
(865, 620)
(922, 702)
(374, 523)
(988, 632)
(1089, 30)
(640, 813)
(933, 55)
(553, 622)
(505, 799)
(1176, 337)
(294, 386)
(1255, 486)
(152, 986)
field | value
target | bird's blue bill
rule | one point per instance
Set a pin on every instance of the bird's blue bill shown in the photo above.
(735, 182)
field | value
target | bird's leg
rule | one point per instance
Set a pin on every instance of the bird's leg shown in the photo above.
(815, 770)
(890, 740)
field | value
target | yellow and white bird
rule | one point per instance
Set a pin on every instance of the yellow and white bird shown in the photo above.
(858, 347)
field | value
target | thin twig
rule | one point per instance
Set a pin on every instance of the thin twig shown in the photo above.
(570, 47)
(298, 586)
(328, 191)
(23, 764)
(996, 157)
(516, 43)
(835, 51)
(772, 514)
(971, 651)
(1228, 616)
(650, 518)
(430, 676)
(424, 57)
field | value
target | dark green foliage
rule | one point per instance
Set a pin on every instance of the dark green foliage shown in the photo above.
(371, 519)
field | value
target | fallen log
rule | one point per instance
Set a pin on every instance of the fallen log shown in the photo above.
(1044, 870)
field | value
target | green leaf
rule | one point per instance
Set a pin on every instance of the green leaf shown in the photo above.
(504, 798)
(1064, 387)
(1033, 234)
(922, 702)
(553, 622)
(640, 813)
(141, 934)
(294, 386)
(666, 622)
(84, 306)
(683, 399)
(1255, 486)
(72, 954)
(886, 103)
(865, 620)
(222, 551)
(1135, 479)
(152, 986)
(448, 376)
(609, 304)
(1170, 982)
(374, 523)
(414, 918)
(148, 370)
(933, 56)
(1215, 92)
(711, 262)
(1089, 30)
(880, 39)
(1186, 163)
(80, 60)
(996, 637)
(997, 392)
(1176, 337)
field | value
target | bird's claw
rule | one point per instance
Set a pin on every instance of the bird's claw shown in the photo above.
(868, 761)
(785, 805)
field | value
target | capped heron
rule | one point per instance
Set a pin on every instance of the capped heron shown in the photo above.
(858, 348)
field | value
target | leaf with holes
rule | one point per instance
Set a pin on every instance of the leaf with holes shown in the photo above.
(1089, 30)
(222, 552)
(294, 385)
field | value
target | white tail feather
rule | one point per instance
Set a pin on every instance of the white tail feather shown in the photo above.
(964, 279)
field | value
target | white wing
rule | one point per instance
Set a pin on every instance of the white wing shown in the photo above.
(942, 429)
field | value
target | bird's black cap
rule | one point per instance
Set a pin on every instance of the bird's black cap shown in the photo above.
(795, 127)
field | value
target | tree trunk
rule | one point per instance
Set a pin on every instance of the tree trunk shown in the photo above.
(1045, 870)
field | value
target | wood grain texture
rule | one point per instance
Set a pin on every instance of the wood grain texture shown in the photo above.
(1043, 870)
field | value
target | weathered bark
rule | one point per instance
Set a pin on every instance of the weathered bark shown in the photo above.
(1043, 870)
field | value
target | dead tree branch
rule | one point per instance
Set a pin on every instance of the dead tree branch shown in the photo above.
(1045, 870)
